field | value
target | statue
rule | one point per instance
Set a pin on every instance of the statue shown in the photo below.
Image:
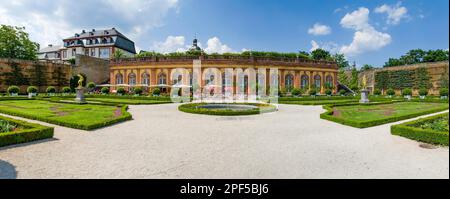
(80, 81)
(364, 91)
(80, 90)
(364, 83)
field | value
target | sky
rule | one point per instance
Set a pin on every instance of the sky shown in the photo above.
(366, 32)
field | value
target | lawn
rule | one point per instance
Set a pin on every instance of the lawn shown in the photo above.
(127, 101)
(362, 116)
(85, 116)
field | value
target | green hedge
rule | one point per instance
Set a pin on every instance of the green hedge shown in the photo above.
(328, 115)
(317, 98)
(30, 132)
(319, 102)
(192, 108)
(423, 135)
(130, 97)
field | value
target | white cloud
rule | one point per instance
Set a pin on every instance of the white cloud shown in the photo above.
(319, 29)
(314, 45)
(357, 20)
(366, 37)
(395, 13)
(178, 44)
(216, 46)
(49, 21)
(172, 44)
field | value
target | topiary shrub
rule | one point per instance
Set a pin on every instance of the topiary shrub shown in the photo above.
(377, 92)
(32, 89)
(296, 92)
(121, 91)
(313, 92)
(406, 92)
(105, 90)
(66, 90)
(443, 92)
(138, 91)
(13, 90)
(51, 90)
(328, 92)
(91, 86)
(423, 92)
(390, 92)
(342, 92)
(156, 91)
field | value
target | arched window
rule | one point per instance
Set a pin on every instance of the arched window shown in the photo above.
(329, 81)
(145, 79)
(289, 82)
(119, 78)
(104, 41)
(132, 79)
(162, 79)
(246, 84)
(178, 80)
(318, 81)
(210, 80)
(304, 82)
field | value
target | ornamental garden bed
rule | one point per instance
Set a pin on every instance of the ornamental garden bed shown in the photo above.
(227, 109)
(86, 116)
(374, 114)
(14, 131)
(433, 130)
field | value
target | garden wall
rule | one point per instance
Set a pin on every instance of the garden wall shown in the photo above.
(95, 69)
(400, 77)
(37, 73)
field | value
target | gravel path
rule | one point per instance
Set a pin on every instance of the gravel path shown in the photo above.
(162, 142)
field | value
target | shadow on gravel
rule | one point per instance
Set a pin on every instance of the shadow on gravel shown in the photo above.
(7, 170)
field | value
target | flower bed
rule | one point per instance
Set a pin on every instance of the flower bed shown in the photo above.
(434, 129)
(22, 132)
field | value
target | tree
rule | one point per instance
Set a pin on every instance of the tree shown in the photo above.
(118, 54)
(340, 60)
(342, 77)
(418, 56)
(320, 54)
(15, 77)
(367, 67)
(354, 80)
(436, 55)
(443, 81)
(15, 44)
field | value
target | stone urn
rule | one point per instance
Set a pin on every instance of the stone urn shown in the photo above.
(364, 96)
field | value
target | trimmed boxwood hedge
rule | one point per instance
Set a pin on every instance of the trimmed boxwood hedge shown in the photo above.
(30, 132)
(328, 115)
(423, 135)
(317, 98)
(192, 108)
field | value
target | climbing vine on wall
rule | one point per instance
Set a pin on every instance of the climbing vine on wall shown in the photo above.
(38, 77)
(15, 77)
(402, 79)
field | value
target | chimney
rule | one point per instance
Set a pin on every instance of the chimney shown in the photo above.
(50, 45)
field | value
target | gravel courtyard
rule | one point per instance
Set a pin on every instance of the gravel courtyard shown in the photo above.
(162, 142)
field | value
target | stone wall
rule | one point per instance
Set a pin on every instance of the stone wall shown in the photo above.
(435, 71)
(49, 70)
(95, 69)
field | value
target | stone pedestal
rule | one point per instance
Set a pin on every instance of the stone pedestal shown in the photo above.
(80, 95)
(364, 96)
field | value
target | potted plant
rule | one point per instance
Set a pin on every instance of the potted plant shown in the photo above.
(390, 92)
(51, 91)
(13, 90)
(32, 91)
(296, 92)
(443, 92)
(121, 91)
(91, 86)
(313, 92)
(105, 90)
(328, 92)
(407, 93)
(66, 90)
(156, 92)
(138, 91)
(423, 92)
(342, 92)
(377, 92)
